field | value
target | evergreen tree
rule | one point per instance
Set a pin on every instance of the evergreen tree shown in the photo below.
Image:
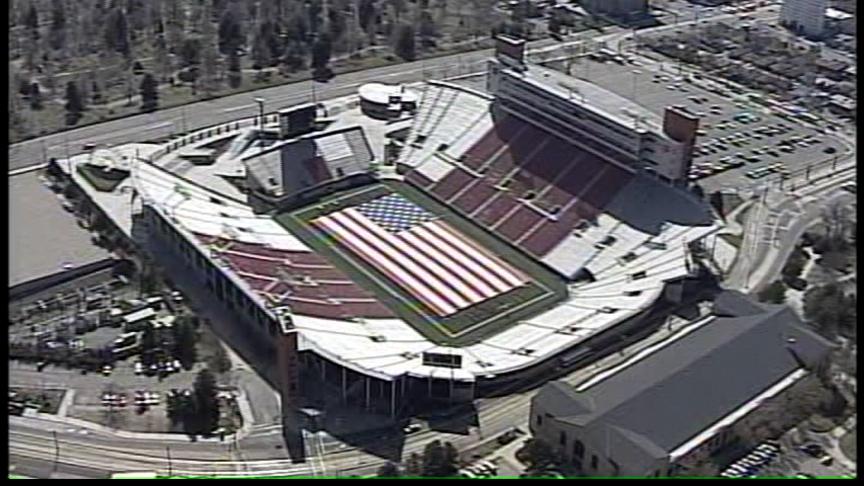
(440, 460)
(35, 97)
(774, 293)
(185, 339)
(31, 21)
(58, 25)
(96, 92)
(74, 103)
(117, 33)
(230, 32)
(366, 14)
(427, 27)
(206, 403)
(389, 470)
(235, 75)
(321, 52)
(405, 47)
(190, 51)
(149, 93)
(260, 52)
(294, 58)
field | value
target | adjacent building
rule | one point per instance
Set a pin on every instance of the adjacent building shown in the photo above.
(600, 121)
(616, 8)
(805, 17)
(667, 411)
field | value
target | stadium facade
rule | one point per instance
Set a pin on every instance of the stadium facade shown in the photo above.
(582, 224)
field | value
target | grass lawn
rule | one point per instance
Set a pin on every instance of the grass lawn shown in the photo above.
(465, 327)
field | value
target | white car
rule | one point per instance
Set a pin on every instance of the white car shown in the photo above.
(139, 367)
(411, 428)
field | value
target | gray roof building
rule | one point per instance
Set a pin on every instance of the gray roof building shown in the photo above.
(648, 409)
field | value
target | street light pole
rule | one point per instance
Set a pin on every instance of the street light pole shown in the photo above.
(56, 447)
(168, 454)
(260, 102)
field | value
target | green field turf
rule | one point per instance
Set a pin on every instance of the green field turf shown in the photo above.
(463, 328)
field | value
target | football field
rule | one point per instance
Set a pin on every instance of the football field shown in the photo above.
(451, 280)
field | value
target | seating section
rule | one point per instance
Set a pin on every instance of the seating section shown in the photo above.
(304, 280)
(527, 185)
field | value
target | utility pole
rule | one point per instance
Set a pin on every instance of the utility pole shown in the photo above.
(168, 454)
(56, 447)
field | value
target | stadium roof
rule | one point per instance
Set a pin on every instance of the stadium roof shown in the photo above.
(670, 396)
(248, 246)
(594, 97)
(287, 168)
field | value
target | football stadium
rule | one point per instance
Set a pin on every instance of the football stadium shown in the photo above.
(498, 237)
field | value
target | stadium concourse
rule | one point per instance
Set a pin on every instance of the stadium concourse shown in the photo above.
(554, 243)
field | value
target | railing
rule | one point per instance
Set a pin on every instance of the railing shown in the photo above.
(223, 128)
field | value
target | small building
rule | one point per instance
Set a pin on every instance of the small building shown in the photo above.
(839, 21)
(616, 8)
(842, 105)
(385, 101)
(805, 17)
(664, 412)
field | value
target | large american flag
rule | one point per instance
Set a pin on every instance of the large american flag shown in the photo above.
(430, 260)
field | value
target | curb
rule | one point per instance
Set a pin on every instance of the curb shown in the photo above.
(27, 169)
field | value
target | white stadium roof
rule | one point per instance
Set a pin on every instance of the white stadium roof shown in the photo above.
(389, 348)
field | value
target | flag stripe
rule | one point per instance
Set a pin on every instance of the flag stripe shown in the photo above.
(437, 265)
(505, 276)
(475, 281)
(464, 261)
(503, 270)
(356, 225)
(427, 264)
(384, 265)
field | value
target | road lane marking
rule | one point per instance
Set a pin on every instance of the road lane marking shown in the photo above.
(238, 108)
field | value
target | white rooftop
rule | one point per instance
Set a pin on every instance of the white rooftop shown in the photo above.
(593, 97)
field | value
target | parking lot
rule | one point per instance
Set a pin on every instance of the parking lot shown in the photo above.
(740, 142)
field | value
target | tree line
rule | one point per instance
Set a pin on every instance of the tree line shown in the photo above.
(136, 46)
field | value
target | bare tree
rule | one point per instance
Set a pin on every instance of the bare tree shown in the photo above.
(838, 218)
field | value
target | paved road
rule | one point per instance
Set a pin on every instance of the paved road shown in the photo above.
(99, 452)
(766, 247)
(164, 123)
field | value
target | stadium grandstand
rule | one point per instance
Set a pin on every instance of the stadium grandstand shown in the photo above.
(497, 249)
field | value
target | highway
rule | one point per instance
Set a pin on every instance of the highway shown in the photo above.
(171, 121)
